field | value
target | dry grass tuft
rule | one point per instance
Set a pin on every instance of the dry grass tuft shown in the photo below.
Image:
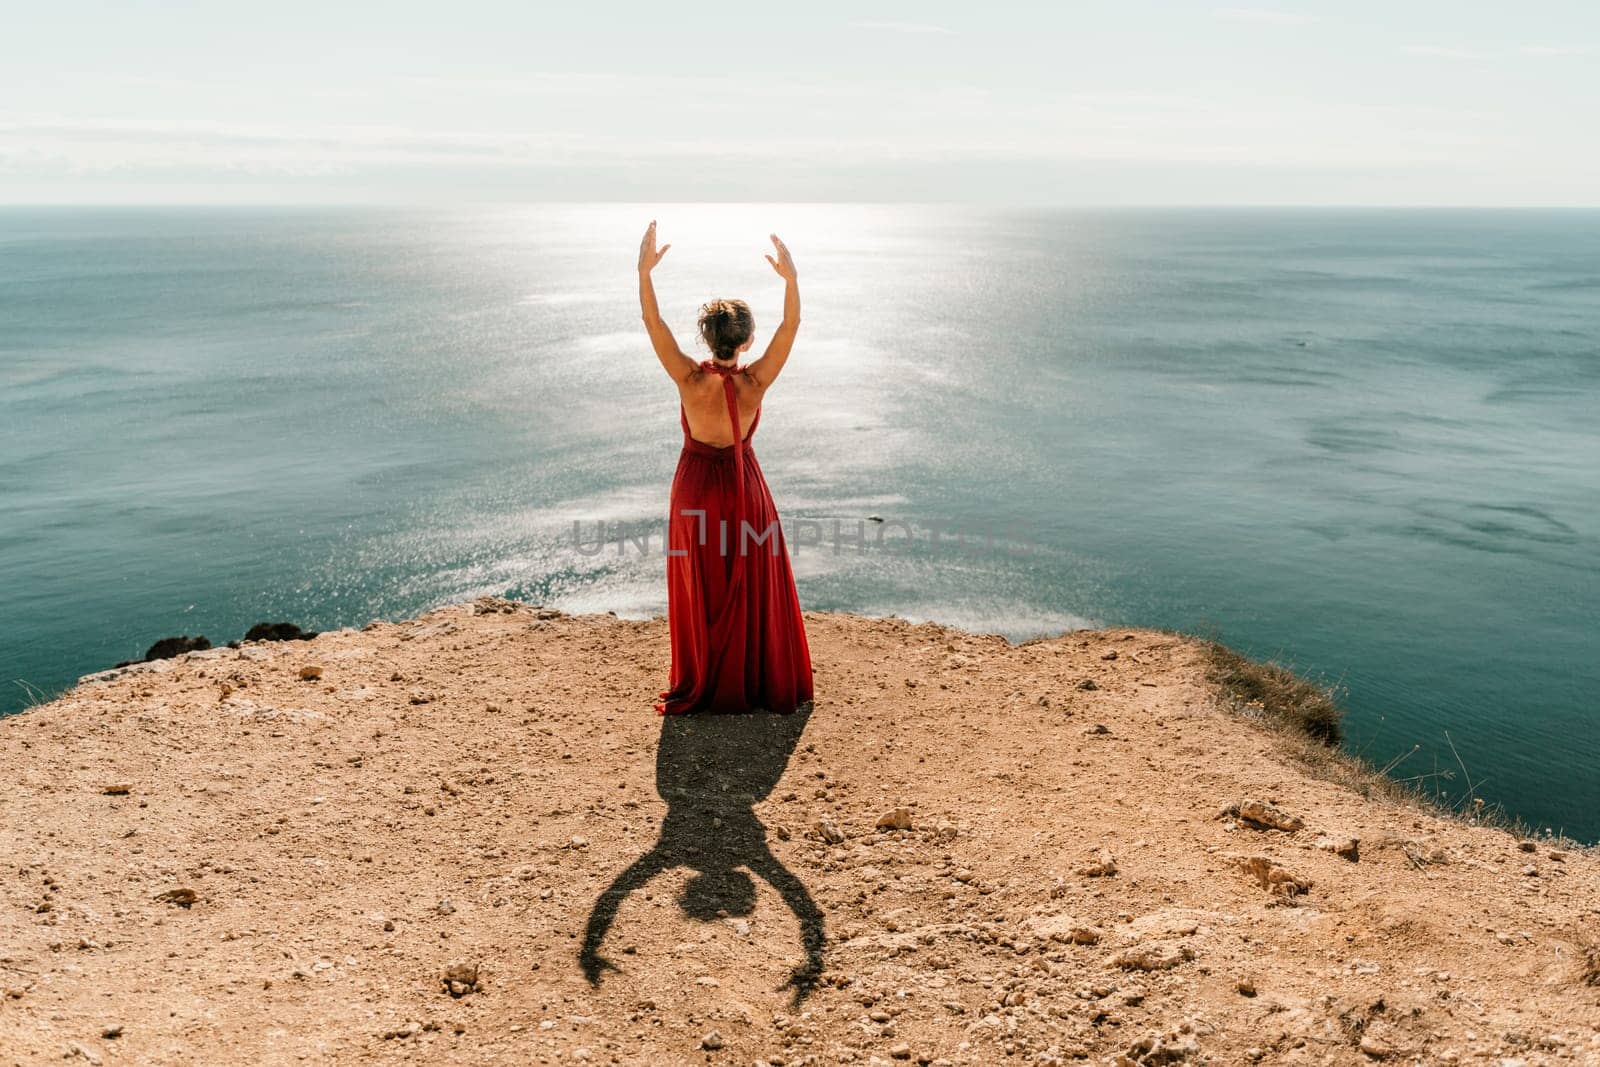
(1589, 963)
(1277, 692)
(1307, 719)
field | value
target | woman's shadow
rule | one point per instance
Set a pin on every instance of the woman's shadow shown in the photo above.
(711, 770)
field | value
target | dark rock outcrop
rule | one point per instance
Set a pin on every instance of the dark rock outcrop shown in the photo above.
(278, 631)
(168, 647)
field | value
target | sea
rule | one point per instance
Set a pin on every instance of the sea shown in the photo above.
(1363, 443)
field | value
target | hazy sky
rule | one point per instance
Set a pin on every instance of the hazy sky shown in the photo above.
(1463, 102)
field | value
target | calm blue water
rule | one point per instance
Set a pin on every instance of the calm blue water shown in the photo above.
(1365, 441)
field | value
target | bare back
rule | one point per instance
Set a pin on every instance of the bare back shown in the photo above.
(705, 406)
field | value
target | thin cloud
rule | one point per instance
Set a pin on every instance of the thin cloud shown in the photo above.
(1555, 50)
(1439, 51)
(901, 27)
(1264, 15)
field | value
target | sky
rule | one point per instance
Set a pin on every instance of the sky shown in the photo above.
(1414, 102)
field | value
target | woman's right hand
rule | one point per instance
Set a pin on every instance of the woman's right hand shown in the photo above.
(784, 264)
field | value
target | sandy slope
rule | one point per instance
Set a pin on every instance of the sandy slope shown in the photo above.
(464, 787)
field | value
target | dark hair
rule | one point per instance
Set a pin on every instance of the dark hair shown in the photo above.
(725, 325)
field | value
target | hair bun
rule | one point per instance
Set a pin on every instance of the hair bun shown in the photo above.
(725, 325)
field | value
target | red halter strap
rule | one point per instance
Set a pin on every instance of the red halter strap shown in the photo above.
(728, 394)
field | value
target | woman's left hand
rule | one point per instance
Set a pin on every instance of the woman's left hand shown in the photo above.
(648, 254)
(784, 264)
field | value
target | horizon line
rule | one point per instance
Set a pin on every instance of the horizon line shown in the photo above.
(962, 203)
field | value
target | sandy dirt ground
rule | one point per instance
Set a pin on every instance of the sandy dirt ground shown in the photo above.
(466, 838)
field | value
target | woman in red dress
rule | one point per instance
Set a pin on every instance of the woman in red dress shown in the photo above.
(738, 640)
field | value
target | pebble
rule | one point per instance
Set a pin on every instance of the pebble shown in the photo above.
(712, 1041)
(182, 896)
(897, 819)
(460, 978)
(1152, 956)
(1378, 1040)
(1263, 814)
(1103, 865)
(1276, 880)
(1348, 847)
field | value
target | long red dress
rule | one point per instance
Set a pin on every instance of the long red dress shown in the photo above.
(738, 640)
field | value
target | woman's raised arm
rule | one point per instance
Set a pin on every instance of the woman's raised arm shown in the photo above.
(765, 369)
(677, 364)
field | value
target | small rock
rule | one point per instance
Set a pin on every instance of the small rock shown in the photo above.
(1064, 929)
(1088, 685)
(120, 789)
(1152, 956)
(444, 907)
(711, 1042)
(1378, 1040)
(460, 978)
(1274, 879)
(75, 1048)
(400, 1033)
(829, 831)
(898, 819)
(1103, 865)
(310, 672)
(112, 1032)
(1154, 1050)
(1246, 987)
(1261, 813)
(901, 1051)
(182, 896)
(1348, 847)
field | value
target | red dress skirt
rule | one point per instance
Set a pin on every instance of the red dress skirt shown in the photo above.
(738, 640)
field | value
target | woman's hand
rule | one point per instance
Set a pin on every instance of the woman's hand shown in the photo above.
(784, 264)
(648, 254)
